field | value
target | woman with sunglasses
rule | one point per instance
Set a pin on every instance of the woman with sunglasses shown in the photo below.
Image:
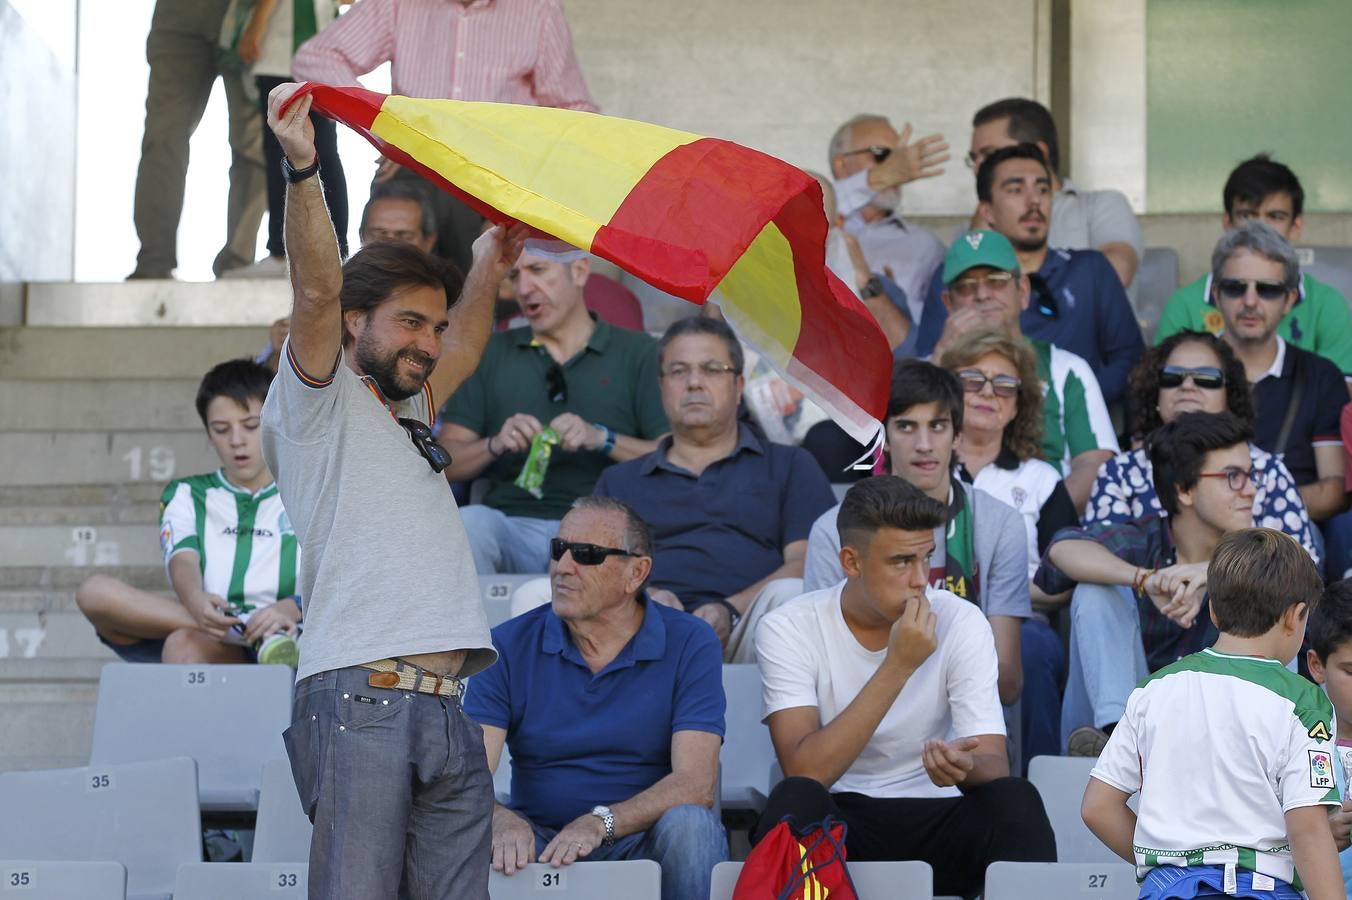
(1192, 371)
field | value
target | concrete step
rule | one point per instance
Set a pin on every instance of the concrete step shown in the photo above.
(68, 577)
(78, 545)
(47, 706)
(40, 624)
(115, 404)
(112, 457)
(99, 353)
(138, 304)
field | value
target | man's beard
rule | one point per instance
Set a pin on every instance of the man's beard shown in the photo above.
(383, 366)
(1029, 245)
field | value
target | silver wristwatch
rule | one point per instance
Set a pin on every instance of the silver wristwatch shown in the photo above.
(608, 819)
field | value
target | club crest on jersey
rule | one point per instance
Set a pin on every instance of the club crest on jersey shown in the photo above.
(166, 538)
(1321, 769)
(1320, 731)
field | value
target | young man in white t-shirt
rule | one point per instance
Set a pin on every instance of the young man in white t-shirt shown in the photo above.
(1232, 754)
(880, 696)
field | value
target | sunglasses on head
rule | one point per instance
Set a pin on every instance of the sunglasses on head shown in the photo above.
(1238, 289)
(421, 435)
(974, 382)
(1208, 378)
(583, 554)
(879, 153)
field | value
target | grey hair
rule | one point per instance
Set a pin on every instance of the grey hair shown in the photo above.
(1262, 239)
(840, 141)
(403, 190)
(638, 539)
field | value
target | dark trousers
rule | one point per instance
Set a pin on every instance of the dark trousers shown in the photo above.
(958, 836)
(1044, 679)
(330, 173)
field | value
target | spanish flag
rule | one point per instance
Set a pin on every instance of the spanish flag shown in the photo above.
(696, 217)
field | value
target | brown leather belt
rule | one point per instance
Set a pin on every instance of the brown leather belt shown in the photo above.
(398, 675)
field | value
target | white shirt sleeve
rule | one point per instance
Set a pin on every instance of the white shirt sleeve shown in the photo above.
(787, 664)
(821, 566)
(853, 193)
(1095, 409)
(972, 672)
(1306, 777)
(1119, 765)
(1111, 221)
(178, 524)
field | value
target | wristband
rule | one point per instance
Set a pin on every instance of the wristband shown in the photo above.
(294, 175)
(491, 452)
(733, 615)
(1138, 582)
(609, 443)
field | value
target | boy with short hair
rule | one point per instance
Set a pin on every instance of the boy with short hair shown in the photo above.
(229, 550)
(1330, 662)
(1232, 753)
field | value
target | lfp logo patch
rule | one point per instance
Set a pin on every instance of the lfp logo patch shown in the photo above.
(1321, 769)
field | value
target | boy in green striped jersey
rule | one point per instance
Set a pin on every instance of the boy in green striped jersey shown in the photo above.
(1330, 662)
(1232, 753)
(228, 546)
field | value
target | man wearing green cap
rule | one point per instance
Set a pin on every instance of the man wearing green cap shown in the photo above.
(984, 289)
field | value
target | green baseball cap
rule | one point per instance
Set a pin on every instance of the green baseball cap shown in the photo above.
(979, 248)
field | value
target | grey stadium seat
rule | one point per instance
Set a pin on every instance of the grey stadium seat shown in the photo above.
(242, 881)
(502, 778)
(1156, 281)
(1037, 881)
(1331, 265)
(747, 757)
(496, 591)
(1061, 781)
(283, 831)
(639, 879)
(228, 718)
(60, 880)
(143, 815)
(909, 880)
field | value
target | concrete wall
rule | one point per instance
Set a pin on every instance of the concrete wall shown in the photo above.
(37, 142)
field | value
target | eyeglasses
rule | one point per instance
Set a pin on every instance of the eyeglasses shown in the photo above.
(583, 554)
(1208, 378)
(879, 153)
(1238, 289)
(434, 453)
(974, 382)
(1237, 478)
(556, 386)
(966, 288)
(682, 371)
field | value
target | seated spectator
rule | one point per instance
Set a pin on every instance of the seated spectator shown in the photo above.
(1081, 220)
(229, 550)
(1192, 371)
(1140, 586)
(729, 510)
(998, 454)
(1078, 301)
(880, 695)
(594, 385)
(1263, 190)
(984, 289)
(612, 707)
(611, 301)
(870, 162)
(1329, 658)
(981, 554)
(400, 212)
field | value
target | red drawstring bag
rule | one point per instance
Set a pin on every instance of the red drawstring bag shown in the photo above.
(798, 864)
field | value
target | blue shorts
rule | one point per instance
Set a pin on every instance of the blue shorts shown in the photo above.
(147, 650)
(1177, 883)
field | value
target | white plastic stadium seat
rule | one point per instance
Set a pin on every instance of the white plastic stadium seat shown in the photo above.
(502, 778)
(282, 834)
(1061, 781)
(1084, 881)
(228, 718)
(639, 879)
(142, 815)
(911, 880)
(1156, 281)
(53, 880)
(497, 591)
(747, 756)
(242, 881)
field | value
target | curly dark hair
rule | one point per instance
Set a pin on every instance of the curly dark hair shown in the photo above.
(1143, 385)
(1023, 435)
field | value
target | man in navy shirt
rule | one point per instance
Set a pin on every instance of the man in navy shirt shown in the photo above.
(730, 511)
(1077, 302)
(612, 707)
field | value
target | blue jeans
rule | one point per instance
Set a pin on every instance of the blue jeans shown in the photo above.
(1044, 672)
(507, 545)
(398, 789)
(1107, 658)
(687, 842)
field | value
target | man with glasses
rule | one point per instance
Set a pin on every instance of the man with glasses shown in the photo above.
(392, 612)
(593, 384)
(870, 162)
(1263, 190)
(1139, 598)
(730, 511)
(612, 707)
(985, 289)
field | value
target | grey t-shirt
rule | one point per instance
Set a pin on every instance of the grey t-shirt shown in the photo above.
(385, 565)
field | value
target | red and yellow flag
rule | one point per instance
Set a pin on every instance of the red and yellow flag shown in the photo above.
(693, 216)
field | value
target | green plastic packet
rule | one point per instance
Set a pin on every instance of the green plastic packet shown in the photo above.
(532, 477)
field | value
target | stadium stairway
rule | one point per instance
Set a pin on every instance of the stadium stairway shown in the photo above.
(97, 383)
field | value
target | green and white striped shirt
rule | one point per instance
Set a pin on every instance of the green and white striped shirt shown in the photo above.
(244, 542)
(1220, 748)
(1075, 418)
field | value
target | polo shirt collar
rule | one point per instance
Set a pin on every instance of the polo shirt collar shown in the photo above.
(1006, 459)
(647, 644)
(261, 494)
(597, 343)
(746, 440)
(1278, 362)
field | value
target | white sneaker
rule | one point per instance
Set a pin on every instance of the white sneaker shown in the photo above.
(267, 267)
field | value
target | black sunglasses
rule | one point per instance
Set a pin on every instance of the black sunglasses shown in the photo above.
(583, 554)
(1208, 378)
(879, 154)
(1238, 288)
(434, 453)
(556, 386)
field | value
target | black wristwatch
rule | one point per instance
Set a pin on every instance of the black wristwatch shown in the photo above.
(733, 615)
(874, 288)
(294, 175)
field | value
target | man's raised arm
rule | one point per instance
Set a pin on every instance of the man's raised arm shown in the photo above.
(311, 246)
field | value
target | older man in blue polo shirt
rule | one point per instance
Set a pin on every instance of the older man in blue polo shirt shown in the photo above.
(612, 706)
(730, 511)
